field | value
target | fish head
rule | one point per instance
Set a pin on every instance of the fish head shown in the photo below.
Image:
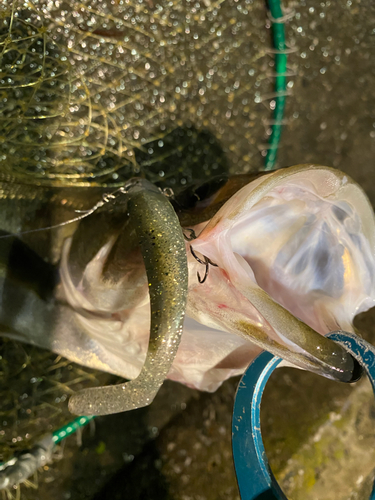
(294, 257)
(290, 257)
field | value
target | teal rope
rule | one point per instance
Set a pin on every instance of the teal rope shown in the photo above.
(278, 32)
(71, 428)
(65, 431)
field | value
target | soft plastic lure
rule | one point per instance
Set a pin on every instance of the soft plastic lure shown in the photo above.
(295, 259)
(162, 245)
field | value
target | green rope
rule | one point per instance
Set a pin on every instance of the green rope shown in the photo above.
(278, 32)
(70, 428)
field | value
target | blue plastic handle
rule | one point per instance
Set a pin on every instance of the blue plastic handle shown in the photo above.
(254, 476)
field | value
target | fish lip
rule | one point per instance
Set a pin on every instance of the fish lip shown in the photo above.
(341, 367)
(347, 374)
(353, 371)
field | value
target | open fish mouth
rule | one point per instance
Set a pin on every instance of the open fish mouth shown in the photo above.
(288, 258)
(294, 256)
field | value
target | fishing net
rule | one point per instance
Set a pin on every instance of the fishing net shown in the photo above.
(106, 90)
(97, 92)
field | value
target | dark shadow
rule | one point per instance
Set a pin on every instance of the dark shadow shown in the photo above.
(25, 279)
(26, 267)
(140, 480)
(182, 156)
(266, 495)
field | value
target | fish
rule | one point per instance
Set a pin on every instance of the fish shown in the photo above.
(290, 257)
(81, 289)
(298, 241)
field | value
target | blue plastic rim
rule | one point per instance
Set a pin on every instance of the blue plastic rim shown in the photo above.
(254, 476)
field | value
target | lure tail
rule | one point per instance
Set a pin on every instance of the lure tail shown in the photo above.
(163, 250)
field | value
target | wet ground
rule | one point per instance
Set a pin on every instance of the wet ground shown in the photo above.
(319, 435)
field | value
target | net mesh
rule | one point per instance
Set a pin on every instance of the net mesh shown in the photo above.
(106, 90)
(95, 92)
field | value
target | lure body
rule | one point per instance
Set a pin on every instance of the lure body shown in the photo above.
(162, 246)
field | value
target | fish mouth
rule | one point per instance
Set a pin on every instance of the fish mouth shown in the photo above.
(295, 259)
(272, 219)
